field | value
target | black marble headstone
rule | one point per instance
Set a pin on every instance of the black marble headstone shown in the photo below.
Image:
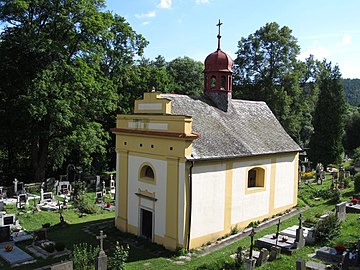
(5, 234)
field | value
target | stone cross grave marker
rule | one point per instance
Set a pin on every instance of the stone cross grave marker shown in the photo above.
(15, 185)
(252, 234)
(299, 238)
(101, 260)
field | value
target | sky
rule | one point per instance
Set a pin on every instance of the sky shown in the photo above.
(327, 29)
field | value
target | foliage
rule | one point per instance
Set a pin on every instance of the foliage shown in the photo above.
(327, 228)
(266, 69)
(186, 75)
(72, 56)
(88, 208)
(352, 129)
(83, 256)
(117, 261)
(352, 91)
(79, 190)
(357, 183)
(326, 142)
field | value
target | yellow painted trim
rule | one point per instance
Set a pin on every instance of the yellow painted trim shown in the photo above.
(123, 191)
(153, 97)
(262, 175)
(145, 179)
(133, 229)
(296, 175)
(228, 194)
(146, 193)
(172, 195)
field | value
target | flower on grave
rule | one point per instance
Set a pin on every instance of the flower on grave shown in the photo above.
(8, 248)
(354, 201)
(284, 238)
(340, 248)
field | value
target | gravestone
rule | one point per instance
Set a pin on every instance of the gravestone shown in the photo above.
(300, 264)
(99, 197)
(5, 234)
(299, 238)
(63, 187)
(70, 173)
(97, 183)
(40, 235)
(63, 266)
(112, 185)
(1, 206)
(328, 254)
(340, 211)
(274, 253)
(7, 219)
(15, 182)
(263, 257)
(20, 187)
(101, 260)
(103, 188)
(249, 263)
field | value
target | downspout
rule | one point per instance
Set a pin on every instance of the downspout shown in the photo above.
(190, 203)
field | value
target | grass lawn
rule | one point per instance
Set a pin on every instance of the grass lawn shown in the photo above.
(145, 255)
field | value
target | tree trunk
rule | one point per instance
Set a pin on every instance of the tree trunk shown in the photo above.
(39, 152)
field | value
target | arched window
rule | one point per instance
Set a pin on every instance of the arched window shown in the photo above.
(256, 177)
(212, 81)
(223, 82)
(147, 173)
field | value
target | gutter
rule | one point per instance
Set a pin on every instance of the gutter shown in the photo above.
(190, 203)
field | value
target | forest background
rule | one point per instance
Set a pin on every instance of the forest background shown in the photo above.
(68, 67)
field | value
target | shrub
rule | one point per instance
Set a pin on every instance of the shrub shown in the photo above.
(335, 196)
(88, 208)
(59, 246)
(234, 230)
(117, 261)
(357, 183)
(327, 228)
(83, 256)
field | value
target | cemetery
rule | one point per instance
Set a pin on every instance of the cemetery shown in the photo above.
(43, 227)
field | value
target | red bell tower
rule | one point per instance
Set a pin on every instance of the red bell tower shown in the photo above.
(218, 70)
(218, 77)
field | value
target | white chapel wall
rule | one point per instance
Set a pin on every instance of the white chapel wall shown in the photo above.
(181, 204)
(160, 169)
(208, 189)
(249, 206)
(285, 183)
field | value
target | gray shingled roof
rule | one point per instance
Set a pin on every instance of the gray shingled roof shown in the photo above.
(247, 128)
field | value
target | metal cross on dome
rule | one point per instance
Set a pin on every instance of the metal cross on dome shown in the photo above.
(219, 36)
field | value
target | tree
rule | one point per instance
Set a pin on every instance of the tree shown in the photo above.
(352, 131)
(266, 69)
(187, 76)
(326, 142)
(62, 62)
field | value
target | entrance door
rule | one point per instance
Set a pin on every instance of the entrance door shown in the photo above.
(146, 223)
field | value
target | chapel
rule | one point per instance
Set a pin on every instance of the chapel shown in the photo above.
(190, 169)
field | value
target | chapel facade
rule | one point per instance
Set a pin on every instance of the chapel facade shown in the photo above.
(189, 169)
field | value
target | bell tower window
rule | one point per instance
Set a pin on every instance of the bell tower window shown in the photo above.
(213, 81)
(223, 82)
